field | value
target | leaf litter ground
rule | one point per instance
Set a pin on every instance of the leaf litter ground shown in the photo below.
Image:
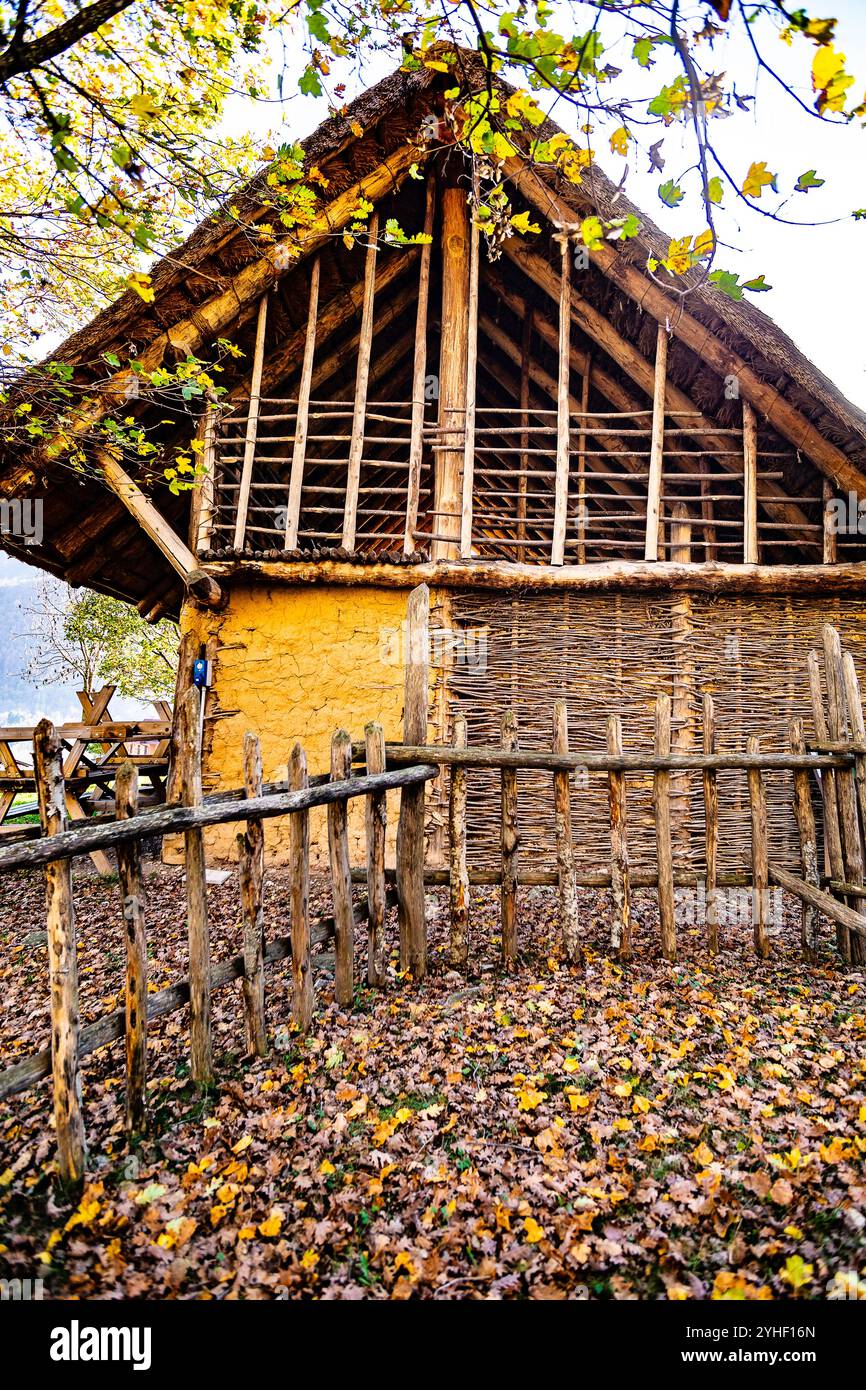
(652, 1131)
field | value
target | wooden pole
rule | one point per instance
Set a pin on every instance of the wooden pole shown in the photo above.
(657, 446)
(620, 926)
(711, 817)
(750, 485)
(858, 728)
(581, 462)
(203, 499)
(567, 878)
(299, 855)
(458, 877)
(362, 376)
(299, 448)
(832, 832)
(62, 961)
(760, 868)
(377, 816)
(452, 372)
(129, 871)
(471, 373)
(341, 874)
(560, 516)
(189, 759)
(509, 844)
(808, 843)
(419, 377)
(845, 787)
(251, 857)
(252, 427)
(662, 810)
(522, 486)
(830, 552)
(410, 826)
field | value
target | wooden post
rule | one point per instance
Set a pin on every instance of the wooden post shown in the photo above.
(845, 788)
(760, 866)
(808, 843)
(251, 856)
(750, 485)
(189, 759)
(299, 856)
(509, 843)
(419, 378)
(829, 537)
(252, 427)
(341, 874)
(662, 810)
(620, 926)
(563, 421)
(458, 877)
(202, 504)
(581, 462)
(129, 870)
(410, 827)
(377, 816)
(62, 960)
(711, 817)
(523, 480)
(829, 794)
(567, 877)
(682, 722)
(299, 448)
(471, 373)
(452, 372)
(657, 447)
(362, 377)
(858, 728)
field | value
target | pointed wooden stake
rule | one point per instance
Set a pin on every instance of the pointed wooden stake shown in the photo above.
(303, 999)
(760, 867)
(620, 926)
(377, 947)
(568, 895)
(129, 870)
(509, 844)
(458, 874)
(251, 854)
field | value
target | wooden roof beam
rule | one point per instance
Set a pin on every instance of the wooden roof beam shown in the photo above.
(668, 310)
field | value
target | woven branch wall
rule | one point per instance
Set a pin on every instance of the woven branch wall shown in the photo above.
(614, 653)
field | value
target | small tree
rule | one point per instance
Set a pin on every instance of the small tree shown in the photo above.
(96, 640)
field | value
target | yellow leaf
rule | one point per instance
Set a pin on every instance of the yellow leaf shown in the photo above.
(242, 1144)
(326, 1168)
(796, 1272)
(619, 141)
(534, 1232)
(247, 1233)
(522, 224)
(309, 1259)
(273, 1225)
(702, 1155)
(757, 178)
(530, 1098)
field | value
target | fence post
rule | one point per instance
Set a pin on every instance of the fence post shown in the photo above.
(760, 867)
(377, 819)
(251, 858)
(509, 841)
(808, 842)
(620, 927)
(568, 897)
(832, 833)
(189, 763)
(836, 699)
(410, 827)
(62, 960)
(299, 858)
(711, 815)
(341, 874)
(129, 869)
(458, 877)
(664, 849)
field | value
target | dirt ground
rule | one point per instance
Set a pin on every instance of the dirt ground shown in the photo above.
(653, 1131)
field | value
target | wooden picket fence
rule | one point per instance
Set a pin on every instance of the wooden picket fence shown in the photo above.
(838, 754)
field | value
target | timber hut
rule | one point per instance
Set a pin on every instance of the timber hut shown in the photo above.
(611, 490)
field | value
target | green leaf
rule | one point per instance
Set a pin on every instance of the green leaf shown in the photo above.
(757, 286)
(310, 83)
(807, 181)
(727, 282)
(670, 193)
(715, 190)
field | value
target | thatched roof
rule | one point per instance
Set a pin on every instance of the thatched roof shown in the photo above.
(89, 537)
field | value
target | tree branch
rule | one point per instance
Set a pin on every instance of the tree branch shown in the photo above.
(20, 58)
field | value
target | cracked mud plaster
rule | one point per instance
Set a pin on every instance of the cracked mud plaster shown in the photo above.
(296, 664)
